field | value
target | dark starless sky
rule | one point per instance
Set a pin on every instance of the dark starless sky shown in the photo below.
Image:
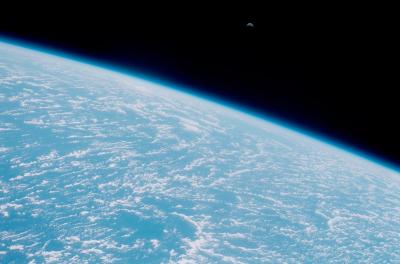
(329, 70)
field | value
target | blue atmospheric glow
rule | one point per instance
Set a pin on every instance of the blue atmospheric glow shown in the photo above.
(206, 96)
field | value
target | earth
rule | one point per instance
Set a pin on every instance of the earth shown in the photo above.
(101, 167)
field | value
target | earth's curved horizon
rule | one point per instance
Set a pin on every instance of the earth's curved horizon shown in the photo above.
(97, 166)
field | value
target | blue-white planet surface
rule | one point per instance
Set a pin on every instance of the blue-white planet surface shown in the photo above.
(101, 167)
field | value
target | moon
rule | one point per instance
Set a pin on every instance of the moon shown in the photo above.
(251, 25)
